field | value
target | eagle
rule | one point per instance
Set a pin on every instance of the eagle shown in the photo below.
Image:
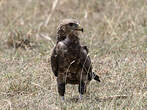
(70, 62)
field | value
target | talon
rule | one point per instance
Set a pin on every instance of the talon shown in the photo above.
(62, 98)
(80, 97)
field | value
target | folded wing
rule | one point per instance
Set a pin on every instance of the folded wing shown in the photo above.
(85, 63)
(54, 62)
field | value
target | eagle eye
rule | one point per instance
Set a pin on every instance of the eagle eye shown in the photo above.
(72, 24)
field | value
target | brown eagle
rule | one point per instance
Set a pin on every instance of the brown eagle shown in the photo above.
(69, 60)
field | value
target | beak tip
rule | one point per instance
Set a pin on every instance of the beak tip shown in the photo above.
(82, 30)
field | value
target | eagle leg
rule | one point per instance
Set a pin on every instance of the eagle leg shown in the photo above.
(61, 90)
(82, 89)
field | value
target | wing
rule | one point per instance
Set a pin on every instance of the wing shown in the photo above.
(54, 62)
(85, 59)
(85, 63)
(85, 48)
(56, 55)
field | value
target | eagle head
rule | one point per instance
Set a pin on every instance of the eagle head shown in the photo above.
(68, 27)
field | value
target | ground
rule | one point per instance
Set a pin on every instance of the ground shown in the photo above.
(115, 32)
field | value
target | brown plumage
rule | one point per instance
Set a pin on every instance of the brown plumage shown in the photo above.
(69, 60)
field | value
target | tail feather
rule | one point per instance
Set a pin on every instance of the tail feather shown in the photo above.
(96, 77)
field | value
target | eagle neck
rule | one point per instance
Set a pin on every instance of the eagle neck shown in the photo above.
(73, 40)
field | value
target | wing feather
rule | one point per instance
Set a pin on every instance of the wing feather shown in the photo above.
(54, 62)
(57, 52)
(86, 64)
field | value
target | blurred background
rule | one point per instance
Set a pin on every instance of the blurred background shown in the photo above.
(115, 32)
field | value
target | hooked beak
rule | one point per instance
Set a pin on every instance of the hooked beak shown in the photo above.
(79, 28)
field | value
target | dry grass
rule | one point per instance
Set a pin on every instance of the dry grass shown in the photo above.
(116, 34)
